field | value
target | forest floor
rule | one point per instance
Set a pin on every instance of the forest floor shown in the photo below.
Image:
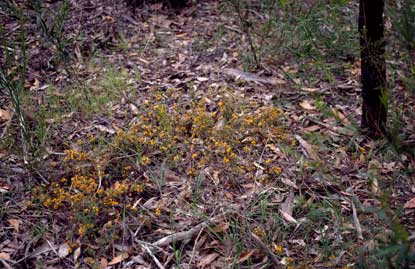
(155, 143)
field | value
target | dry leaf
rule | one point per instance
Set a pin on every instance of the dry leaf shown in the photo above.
(4, 256)
(410, 204)
(357, 222)
(340, 116)
(287, 205)
(307, 147)
(171, 176)
(286, 209)
(311, 128)
(306, 89)
(5, 115)
(103, 128)
(104, 263)
(63, 250)
(246, 255)
(118, 258)
(207, 260)
(15, 223)
(202, 79)
(134, 109)
(4, 189)
(290, 183)
(307, 105)
(288, 218)
(77, 253)
(221, 227)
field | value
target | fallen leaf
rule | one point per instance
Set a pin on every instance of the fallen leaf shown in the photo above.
(286, 209)
(246, 255)
(341, 116)
(118, 258)
(287, 205)
(134, 109)
(290, 183)
(207, 260)
(15, 223)
(202, 79)
(410, 204)
(311, 128)
(307, 147)
(5, 115)
(4, 256)
(307, 105)
(221, 227)
(63, 250)
(103, 128)
(306, 89)
(104, 263)
(77, 253)
(4, 189)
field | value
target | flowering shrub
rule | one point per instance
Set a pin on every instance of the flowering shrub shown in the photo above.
(229, 137)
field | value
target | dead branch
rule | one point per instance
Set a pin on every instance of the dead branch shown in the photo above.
(180, 236)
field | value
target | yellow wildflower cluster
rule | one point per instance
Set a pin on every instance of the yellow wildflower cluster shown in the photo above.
(84, 228)
(74, 155)
(260, 232)
(84, 184)
(85, 199)
(57, 198)
(224, 132)
(278, 248)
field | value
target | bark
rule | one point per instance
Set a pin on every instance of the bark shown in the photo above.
(373, 66)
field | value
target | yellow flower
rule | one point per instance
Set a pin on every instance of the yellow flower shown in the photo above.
(226, 159)
(258, 231)
(137, 187)
(247, 149)
(276, 170)
(157, 212)
(145, 160)
(278, 248)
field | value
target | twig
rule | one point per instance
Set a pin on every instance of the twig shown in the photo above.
(145, 246)
(264, 247)
(194, 247)
(6, 265)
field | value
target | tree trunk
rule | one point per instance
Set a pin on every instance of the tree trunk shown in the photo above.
(373, 66)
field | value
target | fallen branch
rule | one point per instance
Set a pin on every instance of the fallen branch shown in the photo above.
(238, 74)
(180, 236)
